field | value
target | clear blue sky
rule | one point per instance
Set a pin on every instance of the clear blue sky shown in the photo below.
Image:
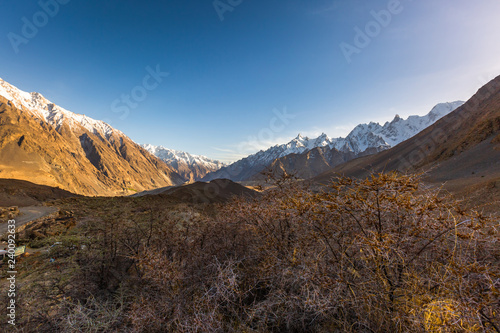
(227, 76)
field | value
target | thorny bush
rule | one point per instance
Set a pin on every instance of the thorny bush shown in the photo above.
(382, 254)
(374, 255)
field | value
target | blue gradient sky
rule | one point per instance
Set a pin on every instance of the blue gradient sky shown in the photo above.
(226, 77)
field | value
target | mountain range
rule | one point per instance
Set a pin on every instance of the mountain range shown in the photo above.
(307, 157)
(41, 142)
(191, 167)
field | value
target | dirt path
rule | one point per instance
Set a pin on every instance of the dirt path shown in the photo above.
(29, 214)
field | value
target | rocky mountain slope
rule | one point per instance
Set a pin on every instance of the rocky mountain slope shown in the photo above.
(307, 157)
(48, 145)
(461, 150)
(191, 167)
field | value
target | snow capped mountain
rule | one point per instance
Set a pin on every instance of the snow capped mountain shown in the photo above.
(48, 145)
(363, 136)
(190, 166)
(298, 145)
(175, 156)
(363, 139)
(301, 144)
(372, 135)
(55, 115)
(396, 131)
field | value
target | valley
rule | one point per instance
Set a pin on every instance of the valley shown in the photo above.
(236, 166)
(314, 235)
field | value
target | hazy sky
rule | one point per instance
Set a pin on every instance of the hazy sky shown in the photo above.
(244, 75)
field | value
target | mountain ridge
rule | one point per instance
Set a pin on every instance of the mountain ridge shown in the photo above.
(191, 167)
(304, 156)
(362, 140)
(459, 153)
(48, 145)
(51, 113)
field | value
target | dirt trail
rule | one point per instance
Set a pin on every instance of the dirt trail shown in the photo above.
(29, 214)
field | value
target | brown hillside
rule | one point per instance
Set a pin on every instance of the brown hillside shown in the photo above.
(219, 190)
(462, 149)
(21, 193)
(75, 159)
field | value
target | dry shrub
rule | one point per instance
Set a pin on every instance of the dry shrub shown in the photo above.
(374, 255)
(95, 315)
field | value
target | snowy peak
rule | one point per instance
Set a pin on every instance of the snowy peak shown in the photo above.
(170, 156)
(47, 111)
(302, 144)
(400, 130)
(373, 135)
(441, 110)
(191, 167)
(322, 141)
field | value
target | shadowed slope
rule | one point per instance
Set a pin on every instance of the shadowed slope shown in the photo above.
(22, 193)
(219, 190)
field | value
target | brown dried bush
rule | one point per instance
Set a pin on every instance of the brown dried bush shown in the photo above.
(382, 254)
(374, 255)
